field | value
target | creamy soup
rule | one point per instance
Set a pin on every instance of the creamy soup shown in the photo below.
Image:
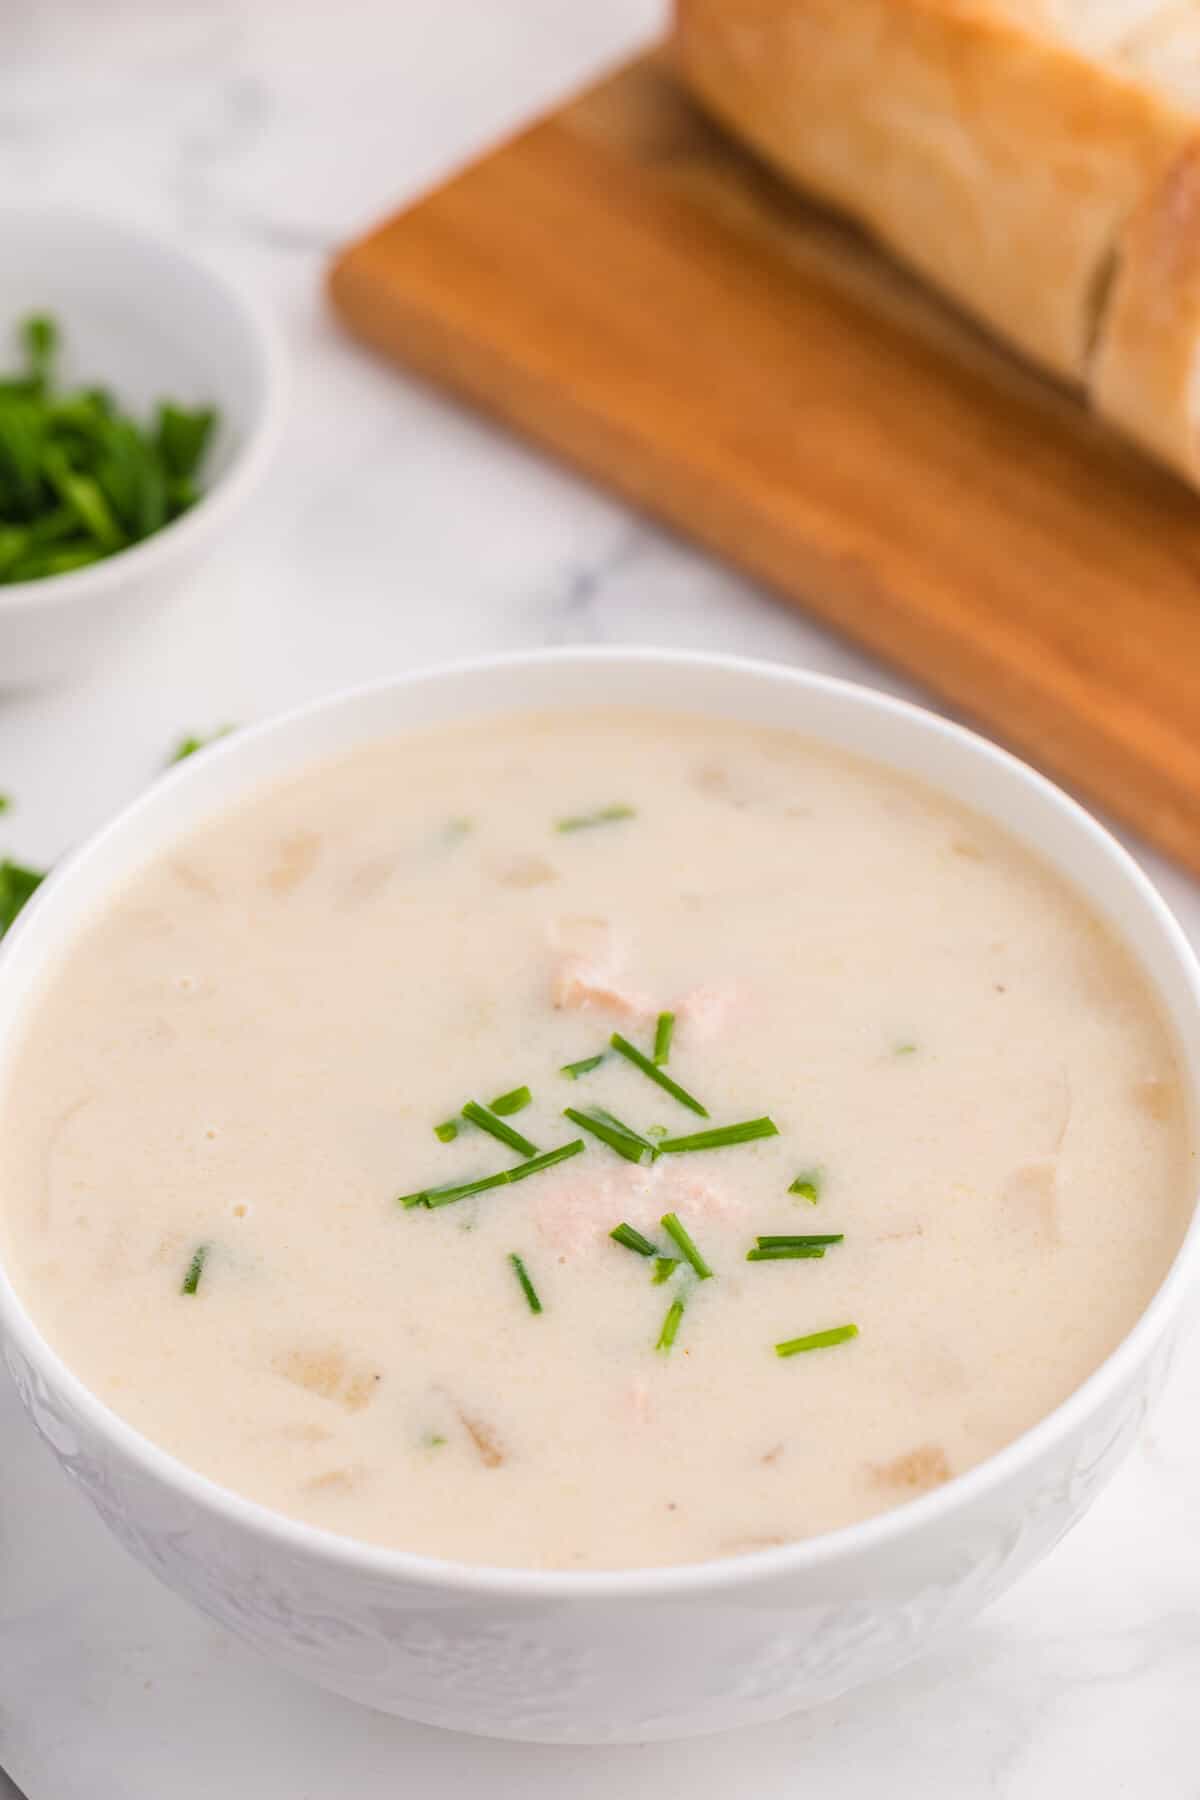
(878, 1143)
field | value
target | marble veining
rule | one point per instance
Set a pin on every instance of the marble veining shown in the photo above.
(394, 530)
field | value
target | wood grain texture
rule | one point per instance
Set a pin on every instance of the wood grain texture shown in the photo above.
(633, 291)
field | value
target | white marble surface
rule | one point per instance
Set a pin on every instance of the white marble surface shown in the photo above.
(394, 530)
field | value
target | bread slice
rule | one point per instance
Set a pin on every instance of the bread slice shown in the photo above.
(1038, 160)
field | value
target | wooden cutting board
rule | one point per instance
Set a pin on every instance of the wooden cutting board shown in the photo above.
(635, 292)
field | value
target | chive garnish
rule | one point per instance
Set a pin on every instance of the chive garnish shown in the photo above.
(17, 886)
(515, 1101)
(604, 815)
(786, 1253)
(546, 1160)
(817, 1340)
(805, 1241)
(632, 1240)
(808, 1186)
(507, 1134)
(434, 1440)
(905, 1050)
(5, 802)
(670, 1325)
(195, 1270)
(447, 1131)
(675, 1228)
(633, 1055)
(619, 1137)
(664, 1268)
(443, 1196)
(574, 1070)
(527, 1287)
(664, 1030)
(188, 746)
(716, 1139)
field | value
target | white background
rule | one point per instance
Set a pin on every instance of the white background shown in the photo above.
(394, 529)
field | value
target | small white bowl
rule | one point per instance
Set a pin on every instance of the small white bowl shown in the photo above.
(147, 320)
(652, 1653)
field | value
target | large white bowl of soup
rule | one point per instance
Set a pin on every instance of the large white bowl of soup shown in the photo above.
(596, 1195)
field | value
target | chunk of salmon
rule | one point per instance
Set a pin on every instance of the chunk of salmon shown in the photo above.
(590, 970)
(575, 1213)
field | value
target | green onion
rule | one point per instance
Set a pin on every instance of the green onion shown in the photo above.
(447, 1131)
(817, 1340)
(515, 1101)
(527, 1287)
(807, 1241)
(674, 1228)
(79, 480)
(606, 815)
(664, 1268)
(507, 1134)
(574, 1070)
(443, 1196)
(632, 1240)
(5, 802)
(905, 1050)
(17, 886)
(621, 1138)
(546, 1160)
(627, 1050)
(453, 1190)
(716, 1139)
(434, 1440)
(786, 1253)
(188, 746)
(191, 1280)
(808, 1186)
(670, 1325)
(664, 1030)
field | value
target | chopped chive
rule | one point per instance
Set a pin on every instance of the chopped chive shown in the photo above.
(453, 1190)
(632, 1240)
(507, 1134)
(807, 1241)
(188, 746)
(434, 1440)
(527, 1287)
(574, 1070)
(515, 1101)
(808, 1186)
(546, 1160)
(675, 1228)
(670, 1325)
(664, 1268)
(664, 1030)
(605, 815)
(744, 1133)
(17, 886)
(905, 1050)
(5, 802)
(786, 1253)
(444, 1196)
(621, 1138)
(817, 1340)
(195, 1270)
(657, 1131)
(447, 1131)
(633, 1055)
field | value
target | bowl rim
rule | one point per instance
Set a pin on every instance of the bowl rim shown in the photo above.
(677, 1580)
(251, 455)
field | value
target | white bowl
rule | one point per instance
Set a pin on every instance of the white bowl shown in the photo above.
(658, 1653)
(146, 319)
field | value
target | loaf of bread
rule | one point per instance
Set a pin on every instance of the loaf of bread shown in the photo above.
(1038, 160)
